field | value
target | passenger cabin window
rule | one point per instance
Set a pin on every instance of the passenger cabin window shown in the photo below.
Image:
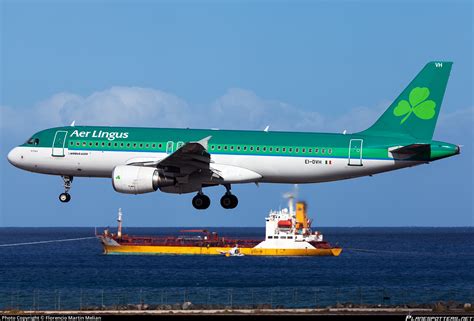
(270, 237)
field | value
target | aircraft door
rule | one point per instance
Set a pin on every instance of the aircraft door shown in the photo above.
(169, 147)
(58, 143)
(355, 152)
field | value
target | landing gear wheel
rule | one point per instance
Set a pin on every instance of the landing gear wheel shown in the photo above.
(201, 201)
(229, 201)
(64, 197)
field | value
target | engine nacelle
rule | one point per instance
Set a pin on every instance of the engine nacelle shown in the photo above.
(130, 179)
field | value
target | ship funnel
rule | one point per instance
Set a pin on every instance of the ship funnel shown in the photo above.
(119, 220)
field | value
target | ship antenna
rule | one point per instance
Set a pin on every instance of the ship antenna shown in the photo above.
(119, 220)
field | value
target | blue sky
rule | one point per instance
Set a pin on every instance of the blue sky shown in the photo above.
(296, 65)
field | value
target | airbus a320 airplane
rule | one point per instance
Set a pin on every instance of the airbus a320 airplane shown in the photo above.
(142, 160)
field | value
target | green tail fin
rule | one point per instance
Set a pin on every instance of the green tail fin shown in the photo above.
(414, 113)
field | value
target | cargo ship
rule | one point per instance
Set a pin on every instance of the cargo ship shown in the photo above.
(287, 233)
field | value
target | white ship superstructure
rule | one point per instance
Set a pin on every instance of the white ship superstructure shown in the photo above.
(288, 228)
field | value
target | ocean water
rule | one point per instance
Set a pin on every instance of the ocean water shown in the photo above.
(377, 266)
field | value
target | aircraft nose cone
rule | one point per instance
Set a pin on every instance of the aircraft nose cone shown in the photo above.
(14, 156)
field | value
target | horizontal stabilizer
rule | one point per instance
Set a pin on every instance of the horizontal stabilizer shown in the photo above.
(413, 149)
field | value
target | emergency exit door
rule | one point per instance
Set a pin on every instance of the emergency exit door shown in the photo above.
(355, 152)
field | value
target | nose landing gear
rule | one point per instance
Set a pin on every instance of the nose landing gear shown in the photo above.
(66, 197)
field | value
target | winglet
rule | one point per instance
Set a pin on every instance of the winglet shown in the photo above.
(204, 142)
(73, 123)
(266, 129)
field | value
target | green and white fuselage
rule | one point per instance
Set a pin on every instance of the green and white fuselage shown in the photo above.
(186, 160)
(274, 157)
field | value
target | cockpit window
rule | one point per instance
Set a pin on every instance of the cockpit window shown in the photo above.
(33, 141)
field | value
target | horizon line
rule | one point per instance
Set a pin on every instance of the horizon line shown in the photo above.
(133, 226)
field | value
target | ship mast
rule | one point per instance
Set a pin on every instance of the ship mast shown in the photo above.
(119, 220)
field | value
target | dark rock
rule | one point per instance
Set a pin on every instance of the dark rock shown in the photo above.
(440, 307)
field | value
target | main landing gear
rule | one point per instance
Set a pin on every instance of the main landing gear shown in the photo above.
(201, 201)
(228, 201)
(65, 197)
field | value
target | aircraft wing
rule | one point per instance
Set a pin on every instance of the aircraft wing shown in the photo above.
(190, 157)
(193, 159)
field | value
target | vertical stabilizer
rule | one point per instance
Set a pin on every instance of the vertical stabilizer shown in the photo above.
(415, 111)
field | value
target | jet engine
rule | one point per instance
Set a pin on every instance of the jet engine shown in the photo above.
(130, 179)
